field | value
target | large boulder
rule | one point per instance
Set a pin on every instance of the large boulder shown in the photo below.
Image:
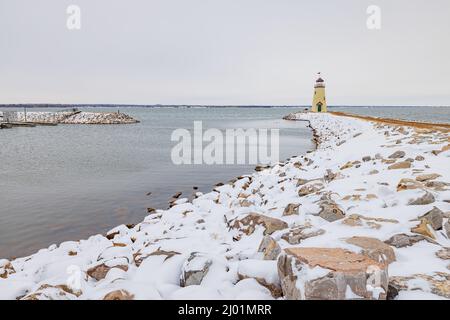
(374, 249)
(331, 274)
(194, 269)
(248, 223)
(269, 248)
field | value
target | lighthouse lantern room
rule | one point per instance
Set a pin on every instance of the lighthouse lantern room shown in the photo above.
(319, 102)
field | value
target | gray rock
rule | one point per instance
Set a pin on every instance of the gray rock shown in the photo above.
(437, 185)
(269, 248)
(330, 211)
(447, 228)
(309, 188)
(297, 234)
(444, 254)
(366, 158)
(427, 198)
(434, 218)
(403, 240)
(419, 158)
(194, 269)
(291, 209)
(397, 155)
(329, 176)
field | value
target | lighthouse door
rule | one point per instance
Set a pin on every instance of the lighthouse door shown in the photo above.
(319, 107)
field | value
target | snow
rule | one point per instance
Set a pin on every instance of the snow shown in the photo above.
(177, 229)
(261, 269)
(418, 295)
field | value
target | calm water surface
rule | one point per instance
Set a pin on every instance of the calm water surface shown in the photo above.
(71, 181)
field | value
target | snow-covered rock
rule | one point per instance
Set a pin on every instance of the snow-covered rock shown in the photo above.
(331, 274)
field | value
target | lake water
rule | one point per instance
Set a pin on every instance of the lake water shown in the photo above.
(71, 181)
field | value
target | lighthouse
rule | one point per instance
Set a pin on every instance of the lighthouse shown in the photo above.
(319, 103)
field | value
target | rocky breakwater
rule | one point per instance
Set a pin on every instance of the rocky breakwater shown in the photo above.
(99, 118)
(364, 216)
(76, 117)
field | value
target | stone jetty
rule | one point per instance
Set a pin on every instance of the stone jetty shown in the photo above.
(69, 117)
(364, 216)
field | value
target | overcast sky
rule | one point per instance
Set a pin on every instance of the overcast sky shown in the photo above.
(225, 52)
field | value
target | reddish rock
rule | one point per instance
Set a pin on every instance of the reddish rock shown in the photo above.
(374, 249)
(331, 274)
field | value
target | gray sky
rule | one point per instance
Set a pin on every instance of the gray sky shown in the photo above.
(224, 52)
